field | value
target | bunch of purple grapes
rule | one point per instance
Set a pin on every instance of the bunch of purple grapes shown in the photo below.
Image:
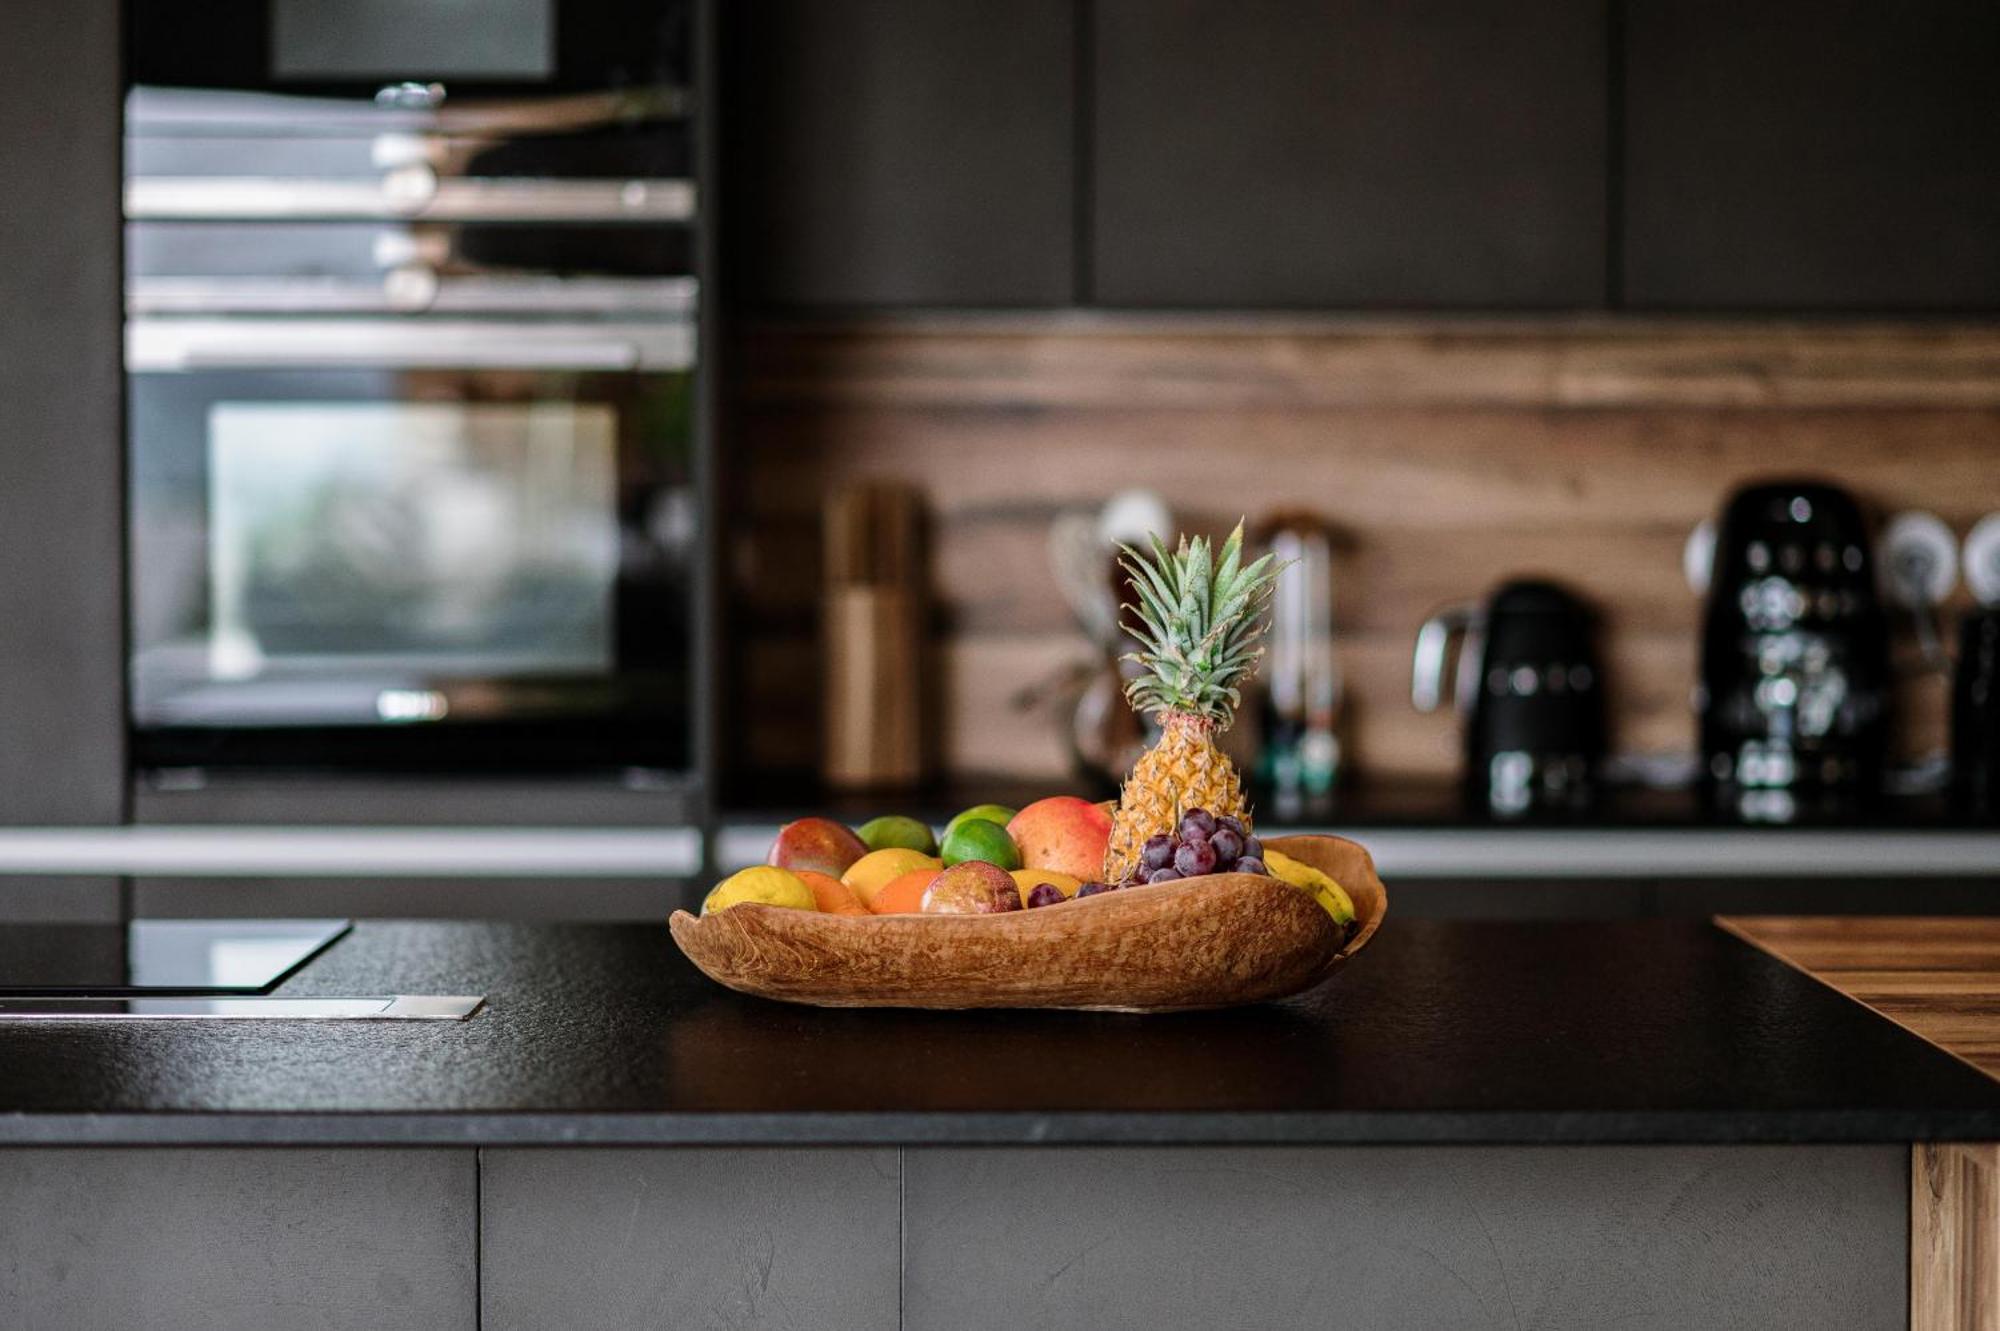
(1201, 844)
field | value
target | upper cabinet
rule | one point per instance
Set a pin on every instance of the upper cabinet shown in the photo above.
(1786, 155)
(1812, 155)
(886, 153)
(1340, 153)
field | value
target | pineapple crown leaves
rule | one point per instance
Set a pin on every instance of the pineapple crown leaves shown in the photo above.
(1201, 618)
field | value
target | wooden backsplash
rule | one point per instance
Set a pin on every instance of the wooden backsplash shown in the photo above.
(1449, 454)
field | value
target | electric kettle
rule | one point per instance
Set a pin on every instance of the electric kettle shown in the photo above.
(1530, 691)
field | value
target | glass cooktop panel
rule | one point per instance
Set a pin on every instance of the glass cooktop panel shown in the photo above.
(159, 956)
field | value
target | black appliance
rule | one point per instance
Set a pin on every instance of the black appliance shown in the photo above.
(1530, 690)
(412, 359)
(1975, 717)
(1793, 699)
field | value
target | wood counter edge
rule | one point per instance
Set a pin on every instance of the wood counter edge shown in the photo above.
(1954, 1186)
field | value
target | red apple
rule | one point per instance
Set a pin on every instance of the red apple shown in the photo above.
(818, 845)
(1065, 834)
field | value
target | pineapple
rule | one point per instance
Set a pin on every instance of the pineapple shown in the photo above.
(1200, 618)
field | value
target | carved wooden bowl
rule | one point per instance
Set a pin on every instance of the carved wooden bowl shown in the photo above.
(1205, 942)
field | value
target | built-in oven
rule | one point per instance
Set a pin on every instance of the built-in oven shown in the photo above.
(412, 358)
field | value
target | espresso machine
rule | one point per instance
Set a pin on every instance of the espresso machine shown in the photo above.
(1793, 700)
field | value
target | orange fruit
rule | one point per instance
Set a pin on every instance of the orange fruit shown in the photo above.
(903, 895)
(867, 875)
(833, 896)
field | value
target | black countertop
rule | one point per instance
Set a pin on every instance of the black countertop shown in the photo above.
(1641, 1031)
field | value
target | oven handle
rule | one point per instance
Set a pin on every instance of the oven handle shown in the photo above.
(408, 193)
(177, 345)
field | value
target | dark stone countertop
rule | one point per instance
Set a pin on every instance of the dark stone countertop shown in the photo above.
(1639, 1031)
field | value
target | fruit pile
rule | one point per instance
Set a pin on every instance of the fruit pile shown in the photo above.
(1181, 815)
(990, 859)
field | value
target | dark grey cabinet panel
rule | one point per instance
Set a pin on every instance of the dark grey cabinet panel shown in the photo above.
(61, 489)
(620, 1239)
(888, 153)
(1664, 1237)
(1799, 154)
(595, 899)
(212, 1240)
(1307, 153)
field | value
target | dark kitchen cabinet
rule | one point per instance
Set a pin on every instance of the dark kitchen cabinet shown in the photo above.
(1301, 153)
(62, 661)
(890, 153)
(1812, 155)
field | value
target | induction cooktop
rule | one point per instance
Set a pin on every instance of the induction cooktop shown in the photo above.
(181, 957)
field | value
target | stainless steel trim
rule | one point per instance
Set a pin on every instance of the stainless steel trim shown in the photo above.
(152, 110)
(1548, 853)
(172, 344)
(454, 295)
(404, 193)
(393, 1007)
(352, 852)
(1524, 853)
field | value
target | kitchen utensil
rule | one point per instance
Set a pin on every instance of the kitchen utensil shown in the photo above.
(1918, 556)
(1529, 687)
(1300, 749)
(874, 617)
(1205, 942)
(1794, 693)
(1100, 732)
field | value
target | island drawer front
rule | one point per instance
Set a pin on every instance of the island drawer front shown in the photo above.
(238, 1240)
(943, 1239)
(616, 1239)
(1401, 1236)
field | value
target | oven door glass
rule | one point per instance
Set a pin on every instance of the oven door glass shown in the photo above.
(411, 567)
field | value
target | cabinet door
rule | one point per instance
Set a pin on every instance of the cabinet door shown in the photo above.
(62, 609)
(1812, 155)
(1445, 153)
(897, 153)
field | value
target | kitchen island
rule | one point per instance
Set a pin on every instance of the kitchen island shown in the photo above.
(1474, 1124)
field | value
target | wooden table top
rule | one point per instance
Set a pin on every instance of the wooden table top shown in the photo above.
(1938, 977)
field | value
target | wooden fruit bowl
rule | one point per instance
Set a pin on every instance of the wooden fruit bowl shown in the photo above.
(1203, 943)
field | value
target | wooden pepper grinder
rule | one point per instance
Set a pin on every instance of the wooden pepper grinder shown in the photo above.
(874, 623)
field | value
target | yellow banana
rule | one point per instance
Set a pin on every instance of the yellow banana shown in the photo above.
(1331, 896)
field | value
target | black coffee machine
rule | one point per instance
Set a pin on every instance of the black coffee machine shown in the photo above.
(1530, 691)
(1975, 717)
(1794, 693)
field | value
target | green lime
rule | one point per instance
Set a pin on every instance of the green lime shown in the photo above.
(978, 839)
(997, 814)
(895, 832)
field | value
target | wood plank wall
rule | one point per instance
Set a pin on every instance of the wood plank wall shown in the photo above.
(1449, 454)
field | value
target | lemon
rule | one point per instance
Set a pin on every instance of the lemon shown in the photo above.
(763, 886)
(1331, 896)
